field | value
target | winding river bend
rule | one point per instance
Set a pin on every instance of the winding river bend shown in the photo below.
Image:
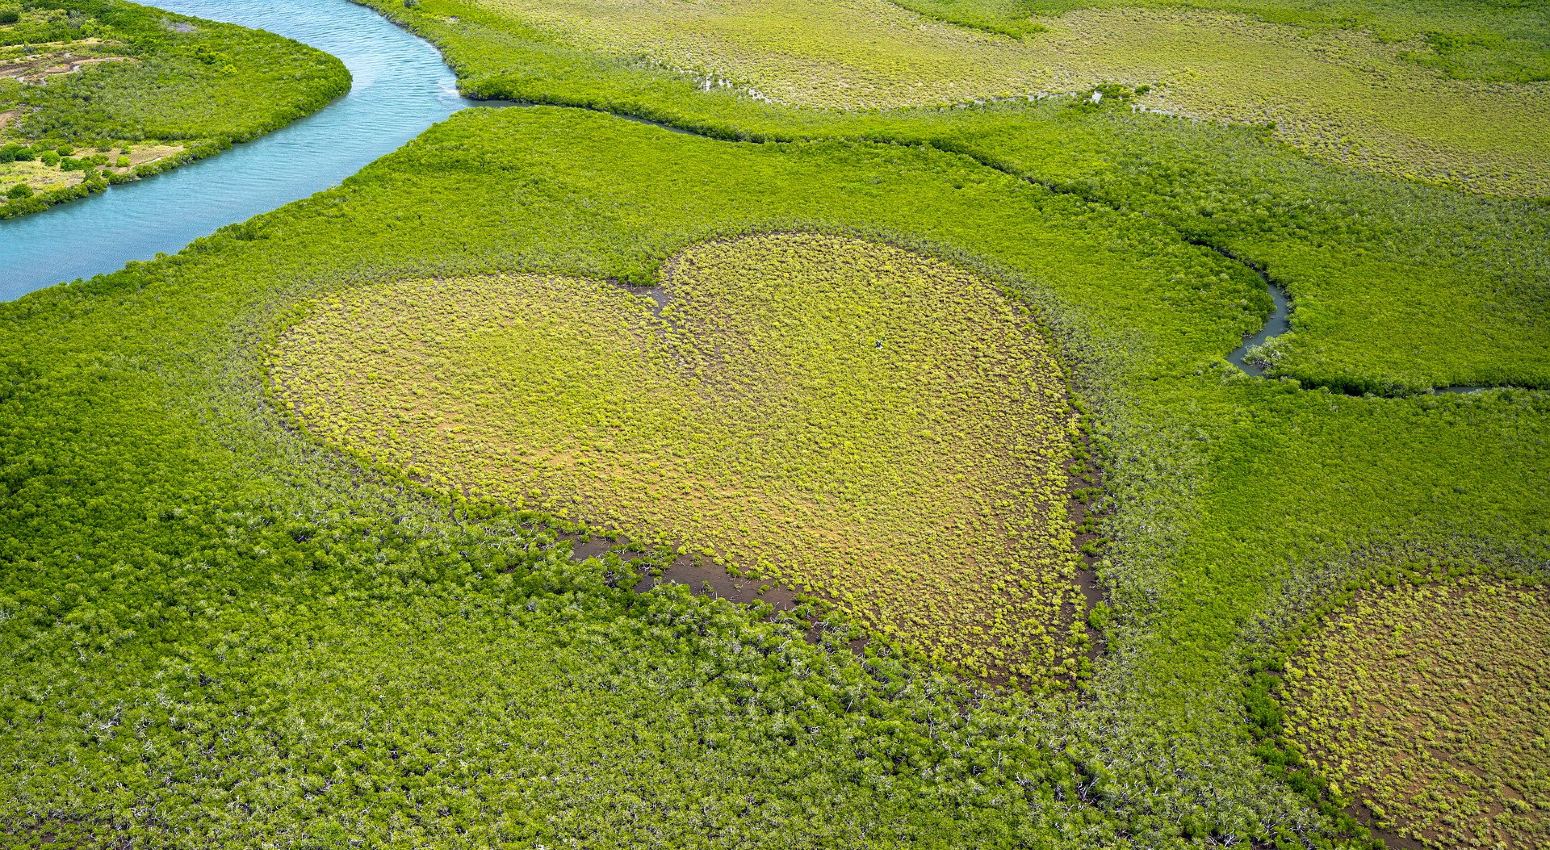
(400, 87)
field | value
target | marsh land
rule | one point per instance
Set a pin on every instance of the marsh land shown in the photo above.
(395, 516)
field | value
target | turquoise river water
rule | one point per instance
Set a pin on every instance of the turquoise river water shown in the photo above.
(400, 87)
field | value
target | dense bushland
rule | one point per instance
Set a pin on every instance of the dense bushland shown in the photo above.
(202, 604)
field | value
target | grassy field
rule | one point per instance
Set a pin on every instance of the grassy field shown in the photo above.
(841, 416)
(98, 91)
(1341, 95)
(1426, 704)
(280, 514)
(1493, 40)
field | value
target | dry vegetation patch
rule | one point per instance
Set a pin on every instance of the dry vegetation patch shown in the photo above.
(862, 421)
(1430, 705)
(37, 176)
(45, 170)
(35, 63)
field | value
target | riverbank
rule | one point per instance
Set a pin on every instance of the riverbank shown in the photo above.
(399, 87)
(100, 93)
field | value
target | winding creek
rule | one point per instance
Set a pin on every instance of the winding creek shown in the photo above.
(400, 87)
(1280, 322)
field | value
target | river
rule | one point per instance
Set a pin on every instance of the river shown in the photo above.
(400, 87)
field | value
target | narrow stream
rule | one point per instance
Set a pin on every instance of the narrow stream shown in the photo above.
(400, 87)
(1278, 323)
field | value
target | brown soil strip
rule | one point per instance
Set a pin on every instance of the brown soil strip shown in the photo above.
(703, 577)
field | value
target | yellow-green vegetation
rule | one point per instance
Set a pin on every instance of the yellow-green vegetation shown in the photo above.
(1341, 95)
(858, 420)
(1497, 40)
(47, 173)
(218, 631)
(93, 92)
(1430, 704)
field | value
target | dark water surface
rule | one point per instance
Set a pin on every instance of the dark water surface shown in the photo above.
(400, 88)
(1278, 323)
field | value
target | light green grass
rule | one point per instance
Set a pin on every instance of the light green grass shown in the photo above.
(842, 416)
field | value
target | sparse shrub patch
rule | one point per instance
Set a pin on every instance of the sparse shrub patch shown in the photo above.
(1429, 705)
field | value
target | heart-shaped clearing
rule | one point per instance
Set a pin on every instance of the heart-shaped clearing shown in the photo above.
(862, 421)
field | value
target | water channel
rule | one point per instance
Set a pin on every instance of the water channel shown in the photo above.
(400, 87)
